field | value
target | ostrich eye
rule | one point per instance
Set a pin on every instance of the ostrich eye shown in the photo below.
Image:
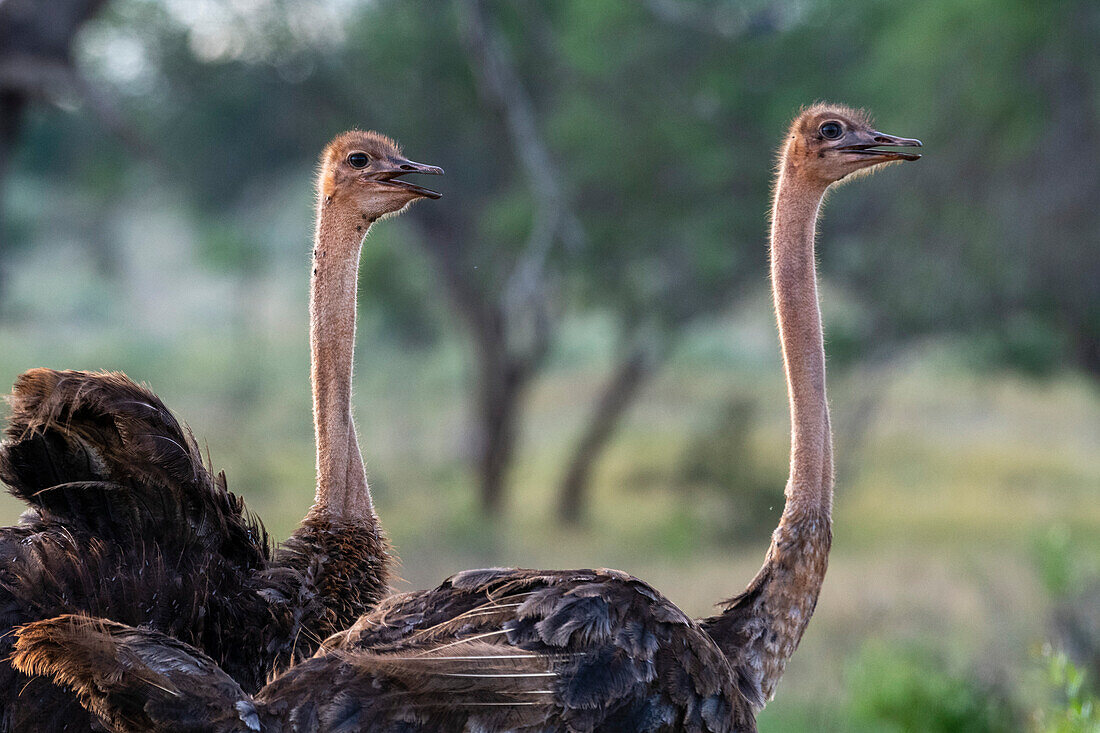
(358, 160)
(830, 130)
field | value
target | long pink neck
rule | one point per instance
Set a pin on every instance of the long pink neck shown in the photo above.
(761, 628)
(342, 491)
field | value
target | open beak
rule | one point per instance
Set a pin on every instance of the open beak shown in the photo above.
(398, 167)
(870, 141)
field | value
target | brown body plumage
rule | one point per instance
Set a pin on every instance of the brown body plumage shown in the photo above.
(128, 524)
(508, 649)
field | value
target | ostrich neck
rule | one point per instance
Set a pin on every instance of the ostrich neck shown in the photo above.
(794, 289)
(761, 628)
(342, 491)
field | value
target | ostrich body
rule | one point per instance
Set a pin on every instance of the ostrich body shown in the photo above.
(531, 650)
(127, 523)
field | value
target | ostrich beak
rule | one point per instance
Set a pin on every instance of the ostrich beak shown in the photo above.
(397, 167)
(872, 138)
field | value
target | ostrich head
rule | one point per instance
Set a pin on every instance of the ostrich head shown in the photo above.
(829, 141)
(361, 170)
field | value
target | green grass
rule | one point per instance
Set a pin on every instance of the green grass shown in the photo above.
(936, 527)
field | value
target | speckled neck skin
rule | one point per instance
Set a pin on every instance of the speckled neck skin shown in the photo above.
(342, 490)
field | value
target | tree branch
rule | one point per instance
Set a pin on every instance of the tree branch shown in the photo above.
(638, 363)
(46, 78)
(500, 86)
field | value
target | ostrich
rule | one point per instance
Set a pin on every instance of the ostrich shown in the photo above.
(577, 650)
(127, 523)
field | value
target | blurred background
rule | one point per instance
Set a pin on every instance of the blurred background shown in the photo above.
(571, 359)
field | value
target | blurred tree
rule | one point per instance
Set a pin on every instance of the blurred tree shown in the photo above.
(35, 64)
(669, 244)
(512, 343)
(612, 157)
(35, 57)
(1004, 211)
(292, 88)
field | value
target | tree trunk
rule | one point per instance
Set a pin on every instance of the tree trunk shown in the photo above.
(31, 30)
(617, 396)
(500, 389)
(11, 111)
(502, 374)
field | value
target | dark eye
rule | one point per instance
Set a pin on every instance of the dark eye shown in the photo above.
(358, 160)
(831, 130)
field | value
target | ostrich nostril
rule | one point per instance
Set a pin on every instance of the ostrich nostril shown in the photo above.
(881, 139)
(407, 168)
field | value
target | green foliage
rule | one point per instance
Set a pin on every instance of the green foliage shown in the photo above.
(908, 689)
(1071, 707)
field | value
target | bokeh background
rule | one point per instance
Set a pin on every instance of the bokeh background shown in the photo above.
(570, 359)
